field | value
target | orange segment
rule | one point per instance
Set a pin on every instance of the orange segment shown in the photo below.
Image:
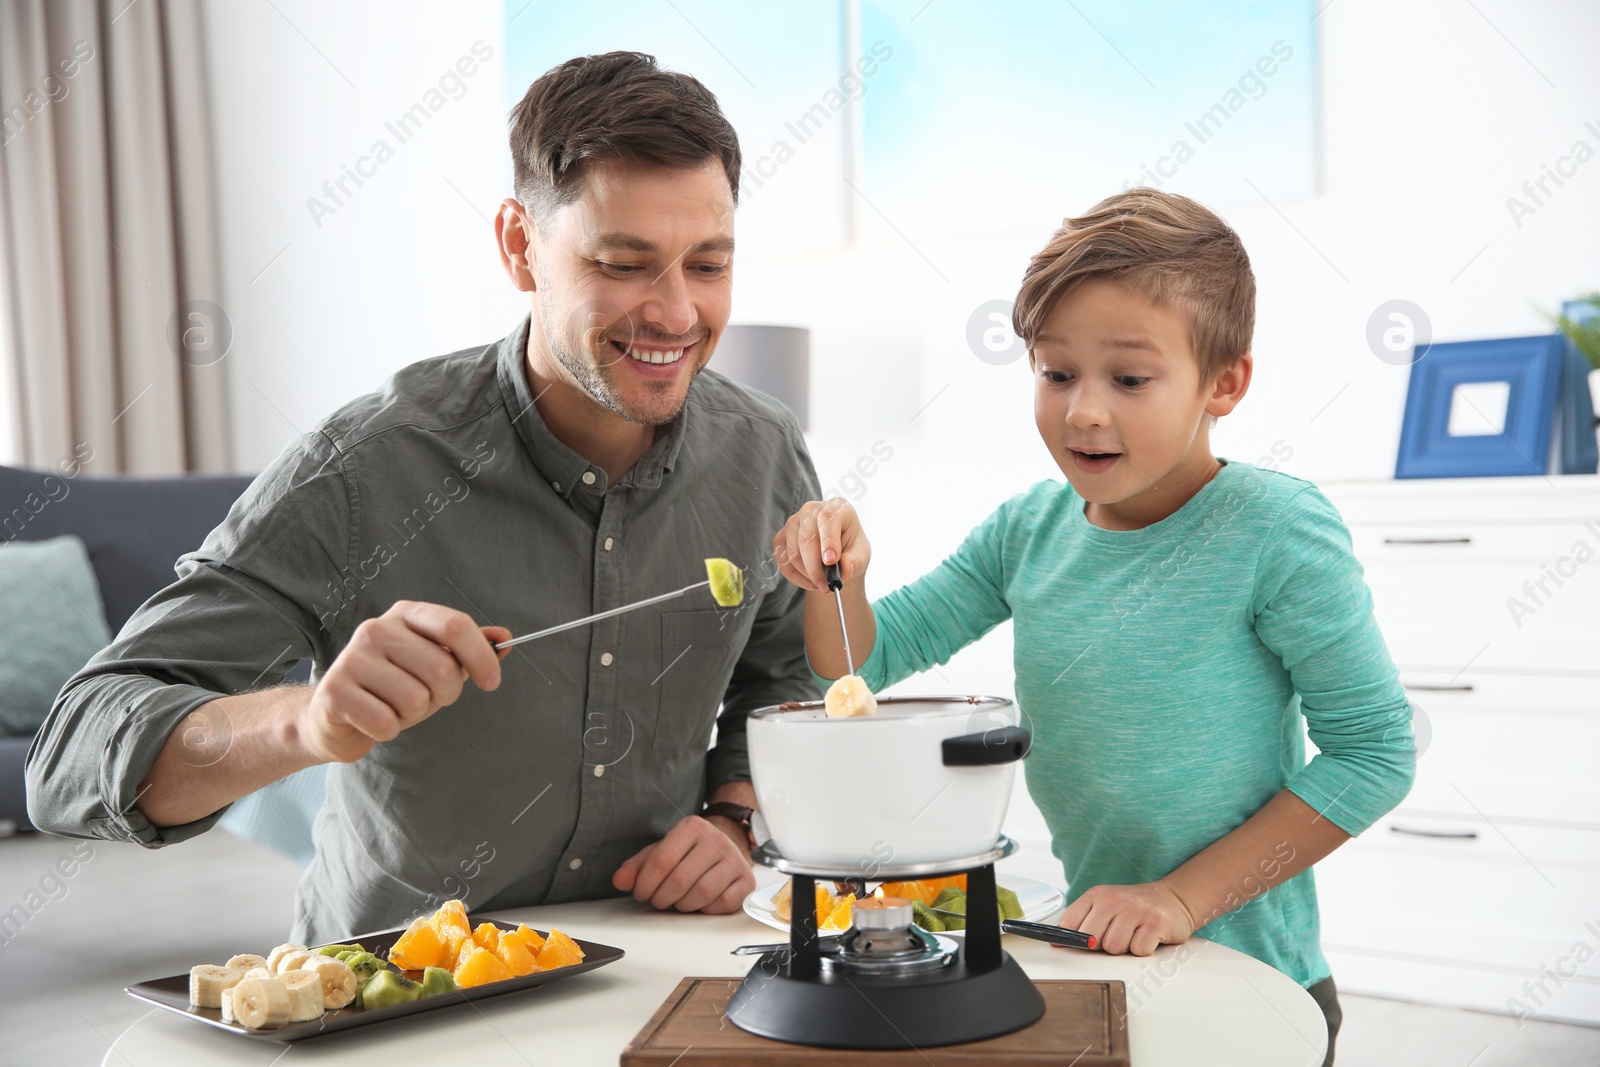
(839, 918)
(925, 889)
(487, 935)
(480, 967)
(454, 932)
(559, 951)
(514, 953)
(531, 937)
(420, 947)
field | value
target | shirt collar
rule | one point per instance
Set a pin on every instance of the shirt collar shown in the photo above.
(558, 464)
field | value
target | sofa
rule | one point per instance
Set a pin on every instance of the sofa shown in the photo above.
(135, 529)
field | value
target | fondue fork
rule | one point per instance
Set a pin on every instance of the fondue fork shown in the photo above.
(597, 616)
(836, 584)
(1054, 935)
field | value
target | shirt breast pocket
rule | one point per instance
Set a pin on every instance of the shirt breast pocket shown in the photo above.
(698, 652)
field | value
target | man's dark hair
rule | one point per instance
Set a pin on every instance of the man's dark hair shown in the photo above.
(618, 106)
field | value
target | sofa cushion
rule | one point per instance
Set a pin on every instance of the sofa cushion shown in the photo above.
(135, 527)
(51, 622)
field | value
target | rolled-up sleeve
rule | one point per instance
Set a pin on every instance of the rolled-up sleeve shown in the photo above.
(262, 593)
(1314, 610)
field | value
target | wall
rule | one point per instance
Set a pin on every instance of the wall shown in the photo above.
(1433, 114)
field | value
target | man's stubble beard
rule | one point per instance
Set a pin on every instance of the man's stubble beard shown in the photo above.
(595, 379)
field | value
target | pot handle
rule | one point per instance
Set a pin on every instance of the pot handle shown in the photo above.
(988, 748)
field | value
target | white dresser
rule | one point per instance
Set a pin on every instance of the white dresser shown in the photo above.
(1482, 889)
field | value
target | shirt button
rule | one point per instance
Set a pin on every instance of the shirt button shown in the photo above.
(588, 477)
(556, 486)
(599, 770)
(575, 864)
(608, 544)
(605, 659)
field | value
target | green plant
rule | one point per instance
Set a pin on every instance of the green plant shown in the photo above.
(1584, 334)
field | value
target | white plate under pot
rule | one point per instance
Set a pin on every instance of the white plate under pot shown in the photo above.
(1040, 902)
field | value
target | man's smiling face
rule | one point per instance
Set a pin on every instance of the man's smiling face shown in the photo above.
(634, 284)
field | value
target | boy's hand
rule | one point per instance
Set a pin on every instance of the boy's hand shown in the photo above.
(817, 536)
(1131, 918)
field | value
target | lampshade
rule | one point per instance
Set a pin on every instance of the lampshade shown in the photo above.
(774, 359)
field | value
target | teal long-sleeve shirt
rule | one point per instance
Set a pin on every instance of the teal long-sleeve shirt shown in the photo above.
(1164, 673)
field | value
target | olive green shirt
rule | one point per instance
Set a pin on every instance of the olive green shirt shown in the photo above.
(446, 486)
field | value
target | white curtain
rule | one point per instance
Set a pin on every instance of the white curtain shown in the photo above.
(115, 339)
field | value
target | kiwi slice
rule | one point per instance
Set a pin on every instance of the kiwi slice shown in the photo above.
(386, 988)
(727, 582)
(436, 980)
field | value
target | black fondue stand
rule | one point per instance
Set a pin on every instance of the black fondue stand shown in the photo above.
(981, 992)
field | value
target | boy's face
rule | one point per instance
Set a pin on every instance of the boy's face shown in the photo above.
(1119, 402)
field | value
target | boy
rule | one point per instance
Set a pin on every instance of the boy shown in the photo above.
(1175, 614)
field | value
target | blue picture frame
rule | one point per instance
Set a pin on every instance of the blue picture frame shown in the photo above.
(1530, 366)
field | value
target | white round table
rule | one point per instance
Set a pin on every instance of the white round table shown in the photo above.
(1190, 1005)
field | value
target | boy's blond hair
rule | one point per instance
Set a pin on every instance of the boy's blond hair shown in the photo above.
(1173, 250)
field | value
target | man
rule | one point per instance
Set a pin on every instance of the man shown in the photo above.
(582, 463)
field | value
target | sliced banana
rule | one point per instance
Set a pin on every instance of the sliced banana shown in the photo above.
(261, 1003)
(227, 1007)
(278, 953)
(207, 982)
(291, 961)
(848, 697)
(305, 995)
(338, 980)
(258, 972)
(246, 960)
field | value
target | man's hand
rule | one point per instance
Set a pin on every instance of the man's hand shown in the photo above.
(1131, 918)
(397, 670)
(701, 865)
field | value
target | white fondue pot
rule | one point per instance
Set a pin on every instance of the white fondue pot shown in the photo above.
(926, 779)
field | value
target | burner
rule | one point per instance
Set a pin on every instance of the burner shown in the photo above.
(886, 941)
(886, 983)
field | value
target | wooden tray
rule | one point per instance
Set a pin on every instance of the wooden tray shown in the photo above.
(1084, 1024)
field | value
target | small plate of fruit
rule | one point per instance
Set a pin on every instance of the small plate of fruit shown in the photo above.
(295, 992)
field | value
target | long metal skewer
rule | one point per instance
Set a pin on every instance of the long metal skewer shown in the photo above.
(587, 619)
(836, 583)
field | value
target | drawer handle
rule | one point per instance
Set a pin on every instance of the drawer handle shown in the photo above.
(1423, 687)
(1463, 835)
(1427, 540)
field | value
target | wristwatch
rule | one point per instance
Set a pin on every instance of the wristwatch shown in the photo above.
(738, 813)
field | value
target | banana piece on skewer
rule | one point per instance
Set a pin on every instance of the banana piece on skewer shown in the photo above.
(849, 697)
(305, 995)
(338, 980)
(207, 983)
(278, 953)
(246, 960)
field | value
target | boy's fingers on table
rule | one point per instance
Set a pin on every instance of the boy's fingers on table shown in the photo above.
(1146, 939)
